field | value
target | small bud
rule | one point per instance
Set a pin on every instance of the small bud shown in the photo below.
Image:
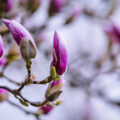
(9, 5)
(57, 78)
(1, 46)
(27, 49)
(18, 31)
(53, 73)
(23, 102)
(55, 6)
(60, 54)
(46, 109)
(59, 102)
(5, 6)
(23, 38)
(3, 95)
(55, 86)
(113, 31)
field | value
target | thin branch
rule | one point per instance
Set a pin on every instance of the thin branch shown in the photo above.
(47, 80)
(12, 81)
(19, 107)
(17, 94)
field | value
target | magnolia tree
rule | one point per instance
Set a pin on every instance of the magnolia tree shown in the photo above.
(21, 42)
(28, 51)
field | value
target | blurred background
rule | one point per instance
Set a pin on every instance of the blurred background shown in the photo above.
(91, 29)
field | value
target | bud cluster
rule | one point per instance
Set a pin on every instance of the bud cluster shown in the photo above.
(28, 50)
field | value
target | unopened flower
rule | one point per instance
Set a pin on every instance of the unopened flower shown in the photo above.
(6, 5)
(9, 5)
(55, 86)
(1, 46)
(113, 32)
(23, 38)
(60, 54)
(55, 6)
(46, 109)
(3, 95)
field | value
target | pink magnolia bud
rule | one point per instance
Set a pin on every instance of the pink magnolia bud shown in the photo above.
(1, 46)
(46, 109)
(55, 86)
(9, 5)
(18, 31)
(113, 31)
(60, 54)
(23, 38)
(56, 6)
(3, 95)
(6, 5)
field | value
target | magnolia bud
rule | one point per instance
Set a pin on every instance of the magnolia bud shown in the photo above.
(46, 109)
(54, 89)
(18, 31)
(60, 54)
(59, 102)
(53, 73)
(3, 95)
(5, 6)
(113, 31)
(27, 49)
(23, 38)
(55, 6)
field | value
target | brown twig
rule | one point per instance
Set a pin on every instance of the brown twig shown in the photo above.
(47, 80)
(19, 107)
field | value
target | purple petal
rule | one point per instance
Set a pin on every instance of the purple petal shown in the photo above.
(58, 5)
(3, 90)
(46, 109)
(3, 95)
(60, 55)
(1, 46)
(3, 60)
(113, 31)
(54, 83)
(9, 5)
(18, 31)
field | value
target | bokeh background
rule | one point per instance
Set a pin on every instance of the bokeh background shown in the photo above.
(92, 89)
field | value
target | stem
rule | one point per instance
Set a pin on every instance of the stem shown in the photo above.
(19, 107)
(47, 80)
(28, 66)
(10, 80)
